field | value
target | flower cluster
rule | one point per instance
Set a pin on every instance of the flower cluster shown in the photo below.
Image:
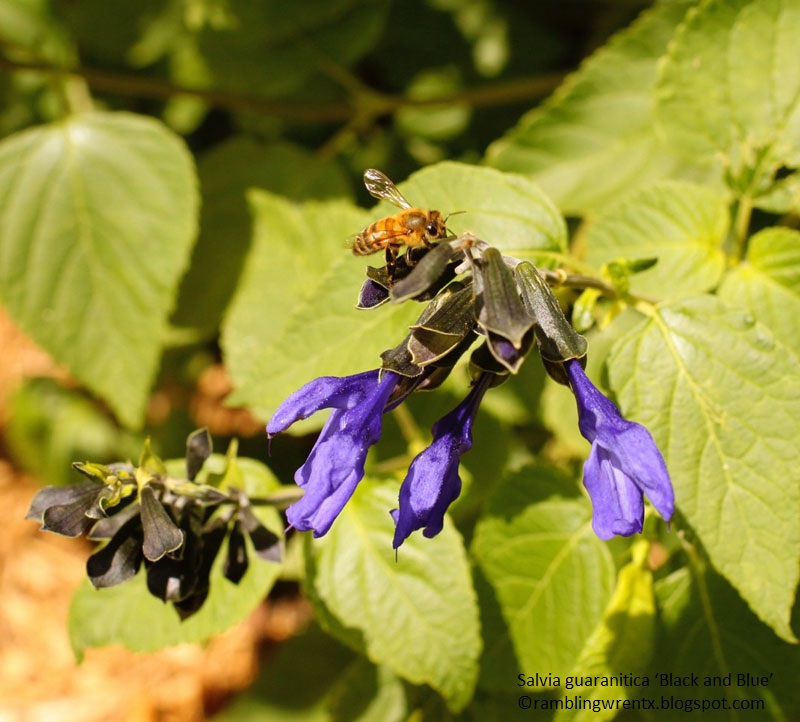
(174, 527)
(501, 308)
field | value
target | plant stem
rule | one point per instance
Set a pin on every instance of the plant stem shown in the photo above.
(524, 89)
(76, 92)
(409, 428)
(698, 568)
(575, 280)
(741, 225)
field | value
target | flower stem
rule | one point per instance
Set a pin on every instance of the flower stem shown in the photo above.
(576, 280)
(409, 429)
(279, 499)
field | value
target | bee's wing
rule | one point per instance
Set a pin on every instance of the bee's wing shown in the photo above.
(380, 187)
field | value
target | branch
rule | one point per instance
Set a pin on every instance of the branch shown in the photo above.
(576, 280)
(378, 104)
(145, 87)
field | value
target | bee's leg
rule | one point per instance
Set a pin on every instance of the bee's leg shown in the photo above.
(391, 264)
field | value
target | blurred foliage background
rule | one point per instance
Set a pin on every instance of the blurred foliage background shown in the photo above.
(160, 159)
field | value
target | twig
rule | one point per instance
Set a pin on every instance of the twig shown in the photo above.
(149, 87)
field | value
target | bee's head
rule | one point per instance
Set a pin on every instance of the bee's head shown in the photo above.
(436, 226)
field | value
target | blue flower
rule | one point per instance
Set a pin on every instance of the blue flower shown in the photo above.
(432, 482)
(624, 463)
(335, 465)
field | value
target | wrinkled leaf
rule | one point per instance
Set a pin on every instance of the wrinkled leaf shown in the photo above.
(594, 139)
(707, 628)
(768, 283)
(730, 84)
(550, 576)
(722, 399)
(624, 639)
(503, 209)
(98, 217)
(683, 225)
(402, 611)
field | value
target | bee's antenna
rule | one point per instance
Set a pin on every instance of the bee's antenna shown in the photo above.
(454, 213)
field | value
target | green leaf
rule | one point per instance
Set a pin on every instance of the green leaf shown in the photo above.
(594, 140)
(550, 575)
(708, 630)
(730, 83)
(415, 613)
(98, 218)
(226, 172)
(681, 224)
(782, 196)
(768, 283)
(504, 209)
(722, 400)
(623, 641)
(281, 45)
(129, 615)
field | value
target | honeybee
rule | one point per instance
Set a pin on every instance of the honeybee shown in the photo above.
(411, 228)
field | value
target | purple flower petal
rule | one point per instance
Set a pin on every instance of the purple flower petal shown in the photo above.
(616, 500)
(624, 463)
(335, 465)
(433, 482)
(324, 392)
